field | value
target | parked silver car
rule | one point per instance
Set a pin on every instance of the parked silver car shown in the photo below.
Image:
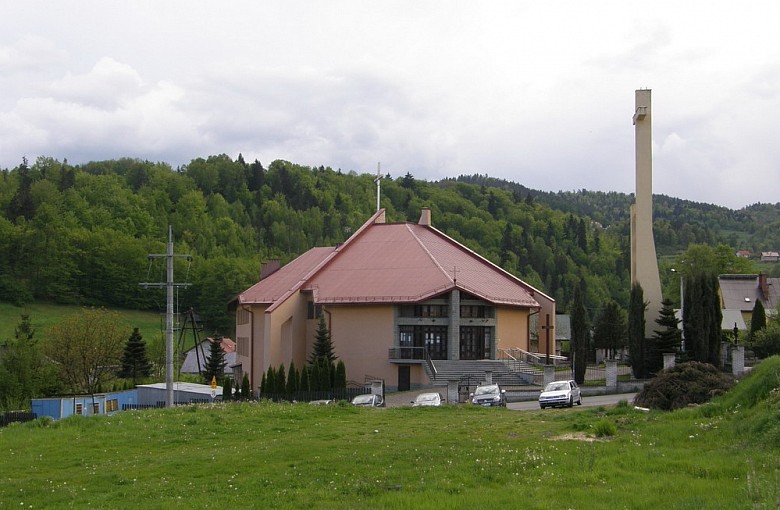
(489, 395)
(560, 394)
(427, 400)
(368, 400)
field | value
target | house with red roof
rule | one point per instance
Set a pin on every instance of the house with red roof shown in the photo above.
(398, 298)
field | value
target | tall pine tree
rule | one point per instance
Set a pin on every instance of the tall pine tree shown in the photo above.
(135, 363)
(323, 345)
(215, 363)
(666, 339)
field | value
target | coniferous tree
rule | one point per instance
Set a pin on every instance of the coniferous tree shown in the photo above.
(637, 349)
(580, 336)
(304, 384)
(280, 384)
(702, 318)
(314, 377)
(667, 339)
(341, 376)
(135, 363)
(757, 318)
(323, 345)
(325, 379)
(215, 362)
(227, 390)
(292, 380)
(246, 390)
(610, 330)
(267, 383)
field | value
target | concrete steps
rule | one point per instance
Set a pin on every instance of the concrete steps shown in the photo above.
(473, 372)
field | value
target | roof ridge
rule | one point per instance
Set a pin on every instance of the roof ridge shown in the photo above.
(426, 250)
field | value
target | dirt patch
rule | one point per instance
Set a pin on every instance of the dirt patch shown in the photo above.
(577, 436)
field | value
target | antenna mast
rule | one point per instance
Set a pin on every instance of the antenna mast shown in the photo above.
(169, 285)
(377, 180)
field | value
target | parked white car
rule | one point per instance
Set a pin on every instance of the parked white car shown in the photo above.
(427, 400)
(560, 394)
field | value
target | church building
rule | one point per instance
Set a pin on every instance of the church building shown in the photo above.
(397, 298)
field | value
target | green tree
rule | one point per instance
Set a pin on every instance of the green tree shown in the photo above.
(135, 363)
(227, 390)
(610, 329)
(580, 336)
(766, 342)
(702, 318)
(280, 384)
(637, 348)
(292, 380)
(323, 345)
(341, 376)
(215, 361)
(666, 339)
(246, 390)
(264, 386)
(757, 318)
(304, 384)
(86, 346)
(24, 372)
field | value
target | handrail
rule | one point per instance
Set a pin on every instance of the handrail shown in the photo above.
(429, 363)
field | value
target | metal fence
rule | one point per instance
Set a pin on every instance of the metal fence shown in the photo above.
(16, 417)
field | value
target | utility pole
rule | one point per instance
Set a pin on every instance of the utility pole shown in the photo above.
(169, 286)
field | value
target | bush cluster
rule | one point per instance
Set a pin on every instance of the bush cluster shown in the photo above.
(687, 383)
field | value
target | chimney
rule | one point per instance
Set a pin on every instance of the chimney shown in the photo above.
(763, 286)
(425, 217)
(269, 267)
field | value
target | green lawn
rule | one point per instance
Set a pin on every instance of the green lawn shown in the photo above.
(264, 455)
(44, 315)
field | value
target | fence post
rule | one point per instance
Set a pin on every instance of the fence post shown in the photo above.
(611, 373)
(738, 359)
(549, 374)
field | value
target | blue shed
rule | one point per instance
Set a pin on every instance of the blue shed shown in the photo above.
(84, 405)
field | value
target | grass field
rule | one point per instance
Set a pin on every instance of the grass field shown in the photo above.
(285, 456)
(44, 315)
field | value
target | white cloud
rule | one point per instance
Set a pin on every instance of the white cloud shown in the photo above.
(540, 93)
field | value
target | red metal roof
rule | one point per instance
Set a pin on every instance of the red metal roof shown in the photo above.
(399, 263)
(285, 280)
(407, 262)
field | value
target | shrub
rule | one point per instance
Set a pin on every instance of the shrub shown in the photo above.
(687, 383)
(605, 428)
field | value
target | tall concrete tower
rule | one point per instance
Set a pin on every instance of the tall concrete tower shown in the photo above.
(644, 264)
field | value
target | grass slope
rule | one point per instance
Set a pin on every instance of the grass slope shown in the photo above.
(265, 455)
(44, 316)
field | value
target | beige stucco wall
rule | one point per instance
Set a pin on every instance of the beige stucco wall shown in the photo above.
(511, 328)
(362, 336)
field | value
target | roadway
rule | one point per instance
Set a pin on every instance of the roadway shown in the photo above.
(592, 401)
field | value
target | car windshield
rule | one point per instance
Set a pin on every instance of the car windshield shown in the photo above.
(557, 386)
(484, 390)
(427, 397)
(363, 399)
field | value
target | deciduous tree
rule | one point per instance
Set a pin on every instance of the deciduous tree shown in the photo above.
(87, 347)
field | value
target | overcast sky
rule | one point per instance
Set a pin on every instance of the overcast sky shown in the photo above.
(540, 93)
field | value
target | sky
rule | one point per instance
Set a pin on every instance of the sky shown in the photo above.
(536, 92)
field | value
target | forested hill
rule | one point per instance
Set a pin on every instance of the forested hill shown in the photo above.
(82, 234)
(678, 222)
